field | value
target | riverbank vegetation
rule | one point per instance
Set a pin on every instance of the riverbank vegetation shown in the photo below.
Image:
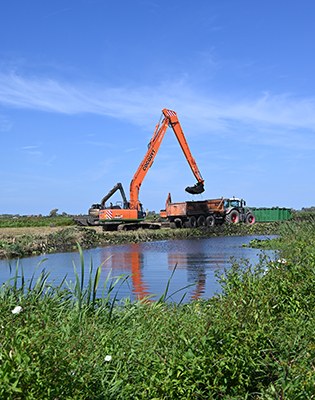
(28, 241)
(256, 340)
(22, 236)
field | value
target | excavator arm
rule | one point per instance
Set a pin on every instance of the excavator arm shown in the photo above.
(119, 187)
(176, 126)
(169, 118)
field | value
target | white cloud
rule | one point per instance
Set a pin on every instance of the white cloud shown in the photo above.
(30, 147)
(31, 150)
(269, 118)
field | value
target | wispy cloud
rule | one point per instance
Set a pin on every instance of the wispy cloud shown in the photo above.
(36, 152)
(27, 148)
(32, 150)
(272, 115)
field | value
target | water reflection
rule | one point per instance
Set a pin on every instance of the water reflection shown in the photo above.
(129, 261)
(150, 265)
(196, 266)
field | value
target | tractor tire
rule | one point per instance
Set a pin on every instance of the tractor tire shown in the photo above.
(250, 219)
(201, 221)
(210, 221)
(233, 217)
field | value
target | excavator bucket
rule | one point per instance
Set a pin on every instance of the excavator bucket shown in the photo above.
(196, 189)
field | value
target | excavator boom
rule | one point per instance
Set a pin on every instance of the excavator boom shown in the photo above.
(169, 118)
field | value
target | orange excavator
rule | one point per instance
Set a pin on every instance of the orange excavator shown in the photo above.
(130, 215)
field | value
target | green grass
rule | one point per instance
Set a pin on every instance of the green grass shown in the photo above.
(35, 221)
(254, 341)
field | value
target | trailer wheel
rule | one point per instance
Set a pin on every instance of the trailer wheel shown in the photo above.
(192, 222)
(250, 219)
(233, 217)
(178, 223)
(210, 221)
(201, 221)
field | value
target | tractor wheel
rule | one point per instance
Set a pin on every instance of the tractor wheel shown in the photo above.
(250, 219)
(201, 221)
(210, 221)
(233, 217)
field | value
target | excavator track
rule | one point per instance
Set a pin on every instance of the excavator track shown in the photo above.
(86, 220)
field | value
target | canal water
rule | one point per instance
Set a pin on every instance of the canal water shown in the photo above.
(146, 268)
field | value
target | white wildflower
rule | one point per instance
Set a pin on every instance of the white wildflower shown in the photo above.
(282, 261)
(108, 358)
(17, 310)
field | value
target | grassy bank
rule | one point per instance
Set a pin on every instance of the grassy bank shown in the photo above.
(35, 221)
(254, 341)
(22, 242)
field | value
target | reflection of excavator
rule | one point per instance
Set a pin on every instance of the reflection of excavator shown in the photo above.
(131, 215)
(132, 261)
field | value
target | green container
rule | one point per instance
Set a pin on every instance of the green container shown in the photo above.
(272, 214)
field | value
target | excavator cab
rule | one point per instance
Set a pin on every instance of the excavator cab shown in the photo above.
(196, 189)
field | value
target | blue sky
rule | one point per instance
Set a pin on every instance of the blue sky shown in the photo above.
(83, 83)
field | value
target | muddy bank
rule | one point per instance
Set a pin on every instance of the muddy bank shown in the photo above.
(28, 241)
(24, 242)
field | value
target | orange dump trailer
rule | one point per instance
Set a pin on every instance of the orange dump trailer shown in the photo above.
(190, 214)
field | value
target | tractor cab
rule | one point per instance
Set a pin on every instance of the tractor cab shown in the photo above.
(234, 202)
